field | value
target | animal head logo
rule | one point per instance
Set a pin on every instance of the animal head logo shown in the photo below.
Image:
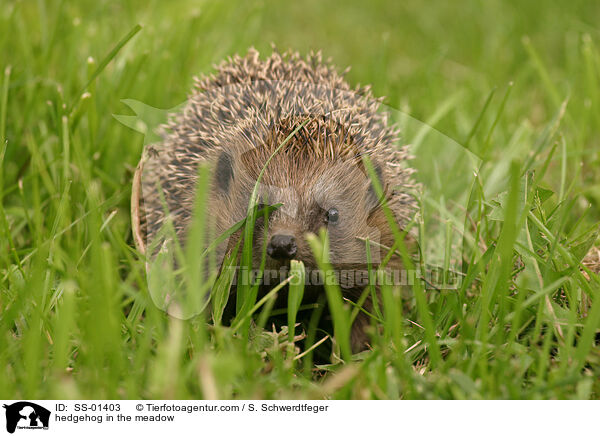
(26, 415)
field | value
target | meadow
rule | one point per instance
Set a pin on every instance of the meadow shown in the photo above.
(514, 84)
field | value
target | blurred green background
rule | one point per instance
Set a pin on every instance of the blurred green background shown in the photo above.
(418, 55)
(73, 290)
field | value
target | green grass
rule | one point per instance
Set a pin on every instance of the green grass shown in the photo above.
(516, 82)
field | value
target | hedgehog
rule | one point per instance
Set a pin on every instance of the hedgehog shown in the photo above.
(301, 113)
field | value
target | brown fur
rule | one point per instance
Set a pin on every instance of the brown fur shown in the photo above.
(237, 118)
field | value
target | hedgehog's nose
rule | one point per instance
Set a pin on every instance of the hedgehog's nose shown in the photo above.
(282, 247)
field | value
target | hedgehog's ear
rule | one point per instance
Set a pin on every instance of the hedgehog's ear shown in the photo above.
(224, 172)
(374, 200)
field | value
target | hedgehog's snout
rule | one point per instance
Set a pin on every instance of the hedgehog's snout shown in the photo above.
(282, 247)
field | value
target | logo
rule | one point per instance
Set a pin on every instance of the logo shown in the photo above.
(26, 415)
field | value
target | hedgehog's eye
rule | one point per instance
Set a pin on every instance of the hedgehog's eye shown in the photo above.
(332, 216)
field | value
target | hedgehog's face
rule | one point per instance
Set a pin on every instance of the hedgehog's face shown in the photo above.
(314, 194)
